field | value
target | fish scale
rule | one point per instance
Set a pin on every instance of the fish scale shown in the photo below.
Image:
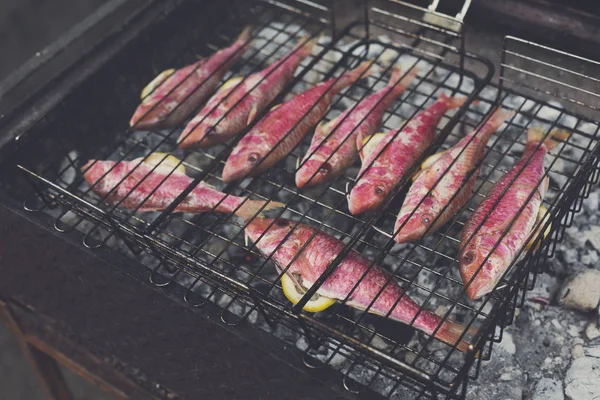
(484, 255)
(383, 167)
(443, 185)
(353, 278)
(285, 126)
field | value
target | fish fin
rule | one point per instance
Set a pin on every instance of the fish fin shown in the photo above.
(252, 114)
(536, 134)
(250, 208)
(429, 161)
(369, 143)
(452, 102)
(399, 82)
(542, 216)
(450, 333)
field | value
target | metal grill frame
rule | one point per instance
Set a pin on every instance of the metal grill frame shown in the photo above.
(148, 240)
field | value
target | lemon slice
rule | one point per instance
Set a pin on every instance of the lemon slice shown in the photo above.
(370, 142)
(230, 83)
(156, 82)
(164, 162)
(543, 215)
(294, 294)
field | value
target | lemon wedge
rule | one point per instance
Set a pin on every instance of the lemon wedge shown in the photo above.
(543, 216)
(164, 162)
(156, 82)
(370, 142)
(231, 82)
(294, 294)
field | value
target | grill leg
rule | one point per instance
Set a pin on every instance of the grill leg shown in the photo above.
(45, 367)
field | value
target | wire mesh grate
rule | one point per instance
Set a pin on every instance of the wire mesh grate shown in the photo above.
(208, 255)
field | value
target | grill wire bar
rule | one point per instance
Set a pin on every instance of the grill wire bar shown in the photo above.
(207, 254)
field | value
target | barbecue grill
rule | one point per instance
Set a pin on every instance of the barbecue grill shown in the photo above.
(205, 258)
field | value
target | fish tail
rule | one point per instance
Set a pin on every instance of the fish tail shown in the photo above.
(498, 117)
(535, 135)
(305, 45)
(250, 208)
(363, 70)
(452, 102)
(399, 82)
(244, 37)
(450, 333)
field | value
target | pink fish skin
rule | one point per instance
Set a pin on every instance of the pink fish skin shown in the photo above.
(324, 161)
(202, 198)
(500, 209)
(376, 181)
(428, 199)
(278, 130)
(232, 109)
(169, 105)
(320, 251)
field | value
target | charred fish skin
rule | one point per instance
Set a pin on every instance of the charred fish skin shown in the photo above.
(331, 153)
(285, 126)
(169, 104)
(381, 169)
(484, 256)
(239, 100)
(443, 185)
(353, 279)
(136, 185)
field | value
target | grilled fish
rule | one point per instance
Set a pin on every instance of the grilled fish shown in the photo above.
(239, 100)
(285, 126)
(441, 188)
(331, 153)
(175, 94)
(141, 185)
(482, 265)
(380, 173)
(353, 278)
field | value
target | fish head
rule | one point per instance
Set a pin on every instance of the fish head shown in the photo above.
(367, 195)
(483, 264)
(412, 224)
(315, 172)
(150, 115)
(245, 158)
(267, 233)
(203, 135)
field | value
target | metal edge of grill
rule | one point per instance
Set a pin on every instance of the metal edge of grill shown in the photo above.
(507, 293)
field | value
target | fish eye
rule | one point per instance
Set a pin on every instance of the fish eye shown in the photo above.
(281, 222)
(325, 168)
(212, 131)
(469, 257)
(253, 157)
(426, 219)
(380, 190)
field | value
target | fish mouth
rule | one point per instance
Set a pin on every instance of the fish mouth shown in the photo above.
(144, 119)
(410, 228)
(313, 173)
(232, 173)
(199, 137)
(362, 200)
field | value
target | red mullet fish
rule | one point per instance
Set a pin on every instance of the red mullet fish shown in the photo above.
(140, 185)
(406, 145)
(482, 265)
(331, 153)
(239, 100)
(176, 94)
(442, 188)
(285, 126)
(271, 237)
